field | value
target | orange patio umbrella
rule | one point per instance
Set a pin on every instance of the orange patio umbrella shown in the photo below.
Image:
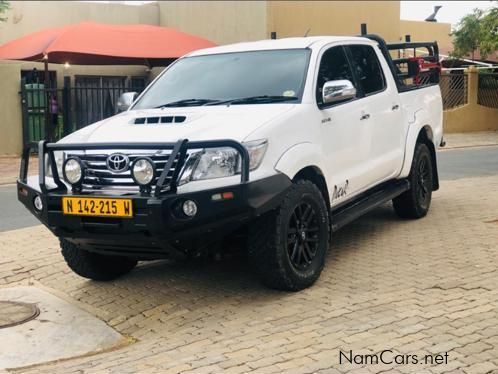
(90, 43)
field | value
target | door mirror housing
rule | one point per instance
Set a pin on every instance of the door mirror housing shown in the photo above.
(337, 91)
(125, 101)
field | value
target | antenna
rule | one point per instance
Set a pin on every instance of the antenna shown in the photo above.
(306, 33)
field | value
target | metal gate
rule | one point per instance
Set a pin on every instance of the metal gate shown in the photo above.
(45, 112)
(95, 98)
(52, 113)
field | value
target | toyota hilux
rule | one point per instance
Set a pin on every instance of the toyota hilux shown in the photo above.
(282, 141)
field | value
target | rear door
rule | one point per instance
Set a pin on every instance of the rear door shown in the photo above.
(381, 113)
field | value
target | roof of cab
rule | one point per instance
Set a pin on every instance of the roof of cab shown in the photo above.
(285, 43)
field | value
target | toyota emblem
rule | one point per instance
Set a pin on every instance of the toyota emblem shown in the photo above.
(118, 163)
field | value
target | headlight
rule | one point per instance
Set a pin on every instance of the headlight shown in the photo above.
(73, 171)
(143, 171)
(216, 163)
(221, 162)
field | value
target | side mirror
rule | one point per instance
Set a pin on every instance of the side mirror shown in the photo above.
(336, 91)
(125, 101)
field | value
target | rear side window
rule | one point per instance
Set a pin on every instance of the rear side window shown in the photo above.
(367, 68)
(333, 66)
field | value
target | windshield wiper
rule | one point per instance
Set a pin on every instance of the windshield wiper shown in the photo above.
(187, 102)
(255, 100)
(241, 100)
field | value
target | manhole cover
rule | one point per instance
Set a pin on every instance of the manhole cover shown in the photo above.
(14, 313)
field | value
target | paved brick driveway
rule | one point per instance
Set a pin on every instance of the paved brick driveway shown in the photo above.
(420, 287)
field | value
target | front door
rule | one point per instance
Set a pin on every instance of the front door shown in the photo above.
(346, 139)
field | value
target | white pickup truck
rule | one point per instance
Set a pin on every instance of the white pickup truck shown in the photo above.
(281, 141)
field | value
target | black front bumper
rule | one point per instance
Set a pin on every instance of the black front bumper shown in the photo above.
(158, 228)
(158, 225)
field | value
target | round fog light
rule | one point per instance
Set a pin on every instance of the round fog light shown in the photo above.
(72, 170)
(38, 203)
(189, 208)
(143, 171)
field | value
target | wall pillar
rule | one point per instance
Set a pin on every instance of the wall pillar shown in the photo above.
(10, 109)
(473, 82)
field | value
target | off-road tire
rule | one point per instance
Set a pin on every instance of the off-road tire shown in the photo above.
(93, 265)
(415, 202)
(270, 240)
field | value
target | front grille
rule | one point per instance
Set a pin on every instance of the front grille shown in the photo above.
(98, 176)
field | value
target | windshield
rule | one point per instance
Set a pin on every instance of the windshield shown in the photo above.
(204, 80)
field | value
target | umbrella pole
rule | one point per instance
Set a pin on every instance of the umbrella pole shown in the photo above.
(47, 100)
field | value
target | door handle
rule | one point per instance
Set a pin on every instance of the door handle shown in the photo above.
(395, 107)
(365, 116)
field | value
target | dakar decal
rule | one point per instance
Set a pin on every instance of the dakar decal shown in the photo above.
(340, 191)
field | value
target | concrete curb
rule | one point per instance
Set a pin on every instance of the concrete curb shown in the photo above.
(449, 148)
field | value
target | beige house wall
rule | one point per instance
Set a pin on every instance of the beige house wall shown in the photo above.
(10, 110)
(428, 31)
(469, 118)
(222, 22)
(294, 18)
(26, 17)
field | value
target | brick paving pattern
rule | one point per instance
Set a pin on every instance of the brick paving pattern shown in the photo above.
(415, 287)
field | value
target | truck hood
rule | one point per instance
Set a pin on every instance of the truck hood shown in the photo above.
(170, 124)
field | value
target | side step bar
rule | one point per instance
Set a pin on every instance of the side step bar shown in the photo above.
(369, 200)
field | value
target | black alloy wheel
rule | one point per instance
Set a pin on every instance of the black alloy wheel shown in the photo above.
(415, 202)
(287, 246)
(424, 180)
(302, 238)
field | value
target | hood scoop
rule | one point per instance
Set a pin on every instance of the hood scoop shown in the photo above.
(158, 120)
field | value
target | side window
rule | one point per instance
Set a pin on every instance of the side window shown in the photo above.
(334, 66)
(367, 68)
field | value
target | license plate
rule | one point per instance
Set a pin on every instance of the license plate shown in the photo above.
(97, 207)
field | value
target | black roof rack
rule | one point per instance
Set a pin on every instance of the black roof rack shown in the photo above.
(386, 48)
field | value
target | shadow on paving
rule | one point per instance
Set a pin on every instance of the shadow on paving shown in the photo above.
(193, 284)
